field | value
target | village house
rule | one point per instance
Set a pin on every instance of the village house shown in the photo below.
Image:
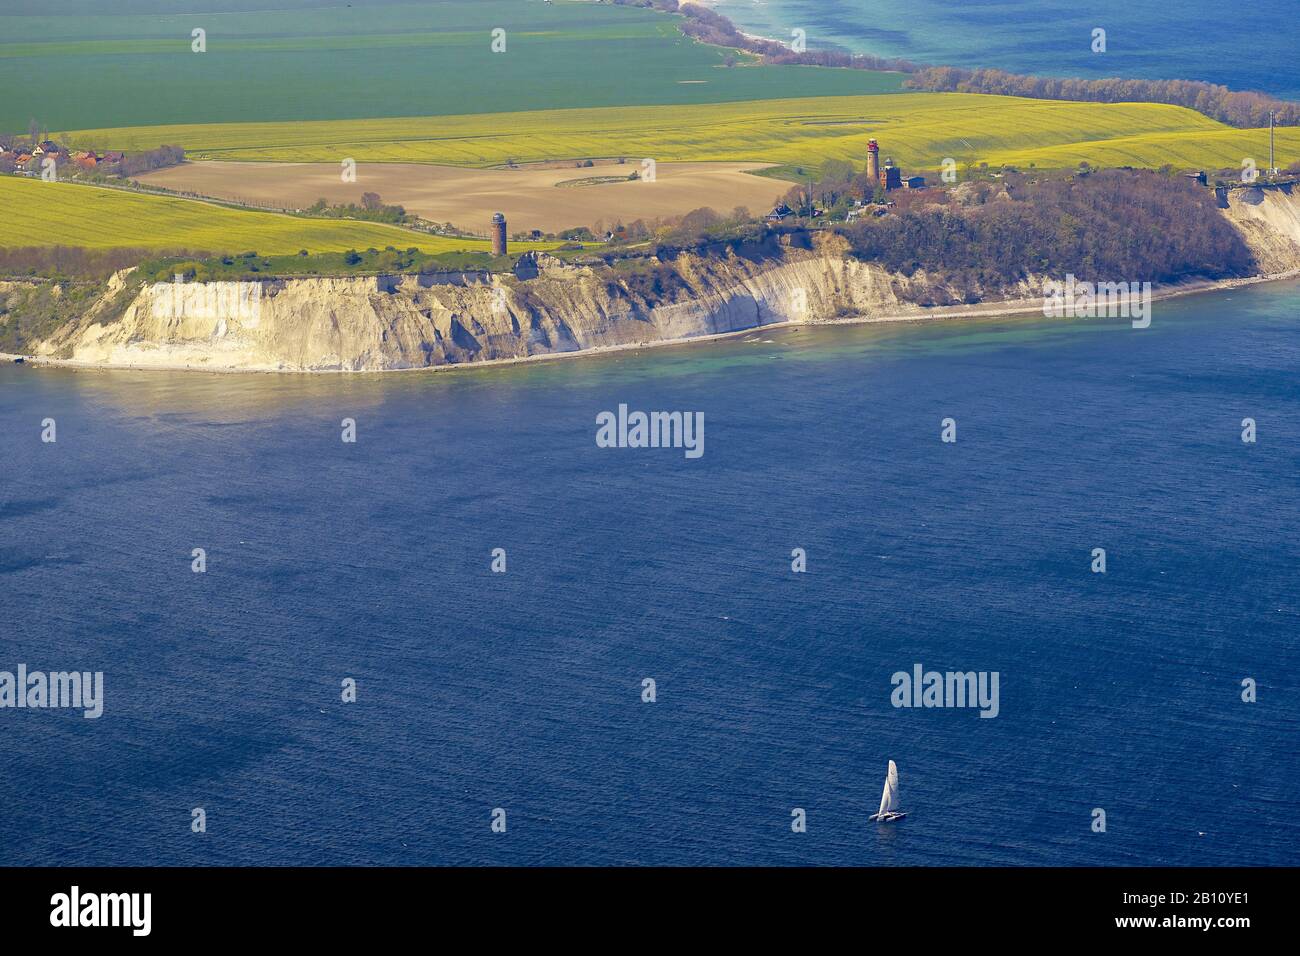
(30, 158)
(780, 212)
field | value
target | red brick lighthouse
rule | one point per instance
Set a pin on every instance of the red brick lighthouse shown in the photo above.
(873, 161)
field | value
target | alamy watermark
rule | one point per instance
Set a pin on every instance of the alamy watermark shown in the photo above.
(76, 908)
(78, 690)
(922, 688)
(651, 430)
(1101, 300)
(218, 301)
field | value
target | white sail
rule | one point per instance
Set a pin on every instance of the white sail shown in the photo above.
(889, 798)
(889, 802)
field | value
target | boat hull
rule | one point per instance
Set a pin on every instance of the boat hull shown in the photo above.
(886, 817)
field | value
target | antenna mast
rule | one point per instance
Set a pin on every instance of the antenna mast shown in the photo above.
(1272, 167)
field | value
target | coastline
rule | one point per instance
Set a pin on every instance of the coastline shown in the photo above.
(930, 36)
(983, 310)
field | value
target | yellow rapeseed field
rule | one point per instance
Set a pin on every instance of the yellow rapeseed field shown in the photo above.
(1200, 149)
(49, 214)
(918, 130)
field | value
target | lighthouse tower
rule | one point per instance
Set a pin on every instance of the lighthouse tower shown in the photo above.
(873, 161)
(498, 235)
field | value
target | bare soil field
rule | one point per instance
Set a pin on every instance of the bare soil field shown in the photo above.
(549, 197)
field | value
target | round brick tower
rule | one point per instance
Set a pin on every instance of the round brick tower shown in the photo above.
(498, 234)
(873, 161)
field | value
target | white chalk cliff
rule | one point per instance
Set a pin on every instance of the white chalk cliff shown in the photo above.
(396, 322)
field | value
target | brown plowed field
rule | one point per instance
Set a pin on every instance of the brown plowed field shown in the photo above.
(549, 198)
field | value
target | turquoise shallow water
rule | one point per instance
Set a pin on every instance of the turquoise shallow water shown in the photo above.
(523, 690)
(1150, 39)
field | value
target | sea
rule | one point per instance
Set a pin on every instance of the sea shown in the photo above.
(649, 680)
(1245, 48)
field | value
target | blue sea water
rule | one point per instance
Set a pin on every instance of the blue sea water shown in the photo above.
(522, 690)
(1245, 48)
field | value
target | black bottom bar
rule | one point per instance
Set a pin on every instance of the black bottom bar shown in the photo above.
(335, 905)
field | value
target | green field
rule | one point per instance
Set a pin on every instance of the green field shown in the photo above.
(918, 130)
(97, 218)
(73, 65)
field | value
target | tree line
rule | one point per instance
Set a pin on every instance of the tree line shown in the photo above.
(1244, 110)
(70, 262)
(133, 164)
(372, 209)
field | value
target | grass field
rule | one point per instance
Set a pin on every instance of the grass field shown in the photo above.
(63, 214)
(918, 130)
(69, 64)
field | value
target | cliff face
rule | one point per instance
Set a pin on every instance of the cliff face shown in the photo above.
(1269, 220)
(394, 322)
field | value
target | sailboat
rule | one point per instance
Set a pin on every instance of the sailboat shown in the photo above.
(888, 811)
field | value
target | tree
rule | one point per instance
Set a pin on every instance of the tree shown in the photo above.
(837, 171)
